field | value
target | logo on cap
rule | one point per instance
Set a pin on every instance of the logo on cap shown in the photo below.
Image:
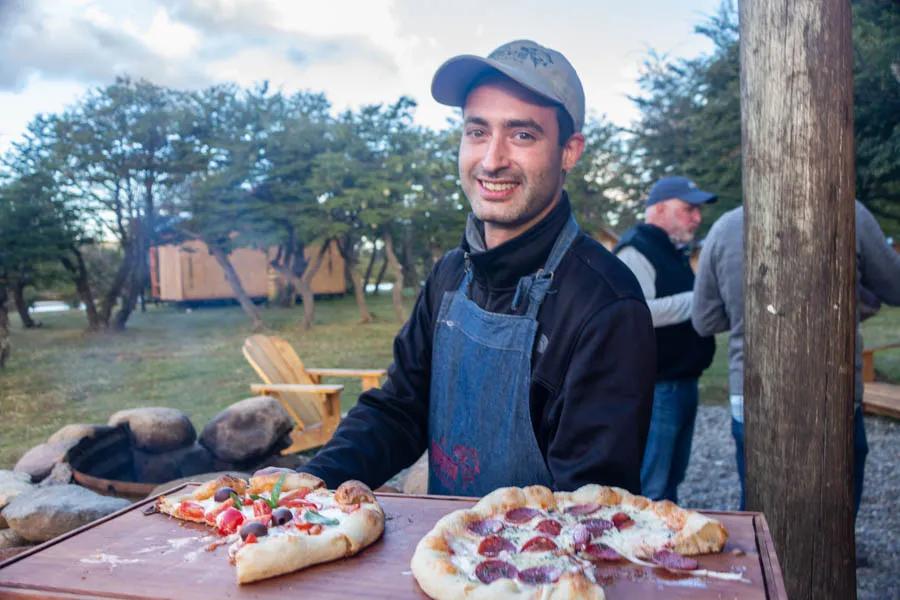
(539, 57)
(691, 185)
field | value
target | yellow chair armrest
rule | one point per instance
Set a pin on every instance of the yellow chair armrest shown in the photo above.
(324, 388)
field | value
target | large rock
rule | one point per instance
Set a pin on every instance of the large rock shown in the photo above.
(9, 538)
(44, 513)
(70, 435)
(152, 467)
(60, 475)
(12, 484)
(40, 460)
(246, 430)
(157, 428)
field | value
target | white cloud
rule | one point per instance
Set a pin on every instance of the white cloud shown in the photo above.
(356, 51)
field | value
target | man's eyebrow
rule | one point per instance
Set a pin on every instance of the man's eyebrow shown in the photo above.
(524, 124)
(510, 124)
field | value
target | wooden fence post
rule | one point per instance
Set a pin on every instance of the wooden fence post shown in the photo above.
(798, 169)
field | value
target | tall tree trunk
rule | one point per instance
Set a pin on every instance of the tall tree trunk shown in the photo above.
(123, 273)
(305, 286)
(397, 270)
(18, 289)
(369, 267)
(797, 125)
(137, 277)
(4, 323)
(234, 281)
(410, 277)
(381, 272)
(349, 255)
(79, 274)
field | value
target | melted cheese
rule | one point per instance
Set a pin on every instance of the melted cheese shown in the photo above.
(648, 533)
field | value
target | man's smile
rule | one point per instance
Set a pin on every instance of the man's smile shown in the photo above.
(496, 190)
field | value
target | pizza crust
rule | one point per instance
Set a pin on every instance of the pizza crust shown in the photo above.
(264, 480)
(271, 556)
(287, 553)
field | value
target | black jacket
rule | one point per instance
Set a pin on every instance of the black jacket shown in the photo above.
(591, 388)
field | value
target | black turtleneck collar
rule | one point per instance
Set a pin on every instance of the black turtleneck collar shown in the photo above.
(503, 266)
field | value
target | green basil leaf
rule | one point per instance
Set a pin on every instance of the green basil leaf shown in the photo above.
(276, 491)
(311, 516)
(255, 497)
(237, 501)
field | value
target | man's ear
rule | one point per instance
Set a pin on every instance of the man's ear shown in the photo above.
(572, 151)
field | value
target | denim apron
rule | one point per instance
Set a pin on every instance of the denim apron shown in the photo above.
(479, 421)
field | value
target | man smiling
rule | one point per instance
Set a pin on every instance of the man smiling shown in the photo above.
(526, 358)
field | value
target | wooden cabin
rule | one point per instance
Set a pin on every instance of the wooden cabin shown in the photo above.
(187, 272)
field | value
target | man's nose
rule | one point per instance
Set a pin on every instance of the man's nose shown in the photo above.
(495, 156)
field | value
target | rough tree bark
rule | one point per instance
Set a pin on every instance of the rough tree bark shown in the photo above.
(234, 281)
(397, 270)
(344, 246)
(78, 271)
(18, 289)
(797, 121)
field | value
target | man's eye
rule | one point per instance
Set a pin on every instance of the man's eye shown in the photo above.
(475, 133)
(523, 136)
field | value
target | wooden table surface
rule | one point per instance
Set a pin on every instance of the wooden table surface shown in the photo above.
(137, 556)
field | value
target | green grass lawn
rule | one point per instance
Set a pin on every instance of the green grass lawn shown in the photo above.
(58, 374)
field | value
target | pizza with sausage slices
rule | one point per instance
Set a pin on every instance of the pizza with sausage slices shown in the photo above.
(281, 521)
(533, 543)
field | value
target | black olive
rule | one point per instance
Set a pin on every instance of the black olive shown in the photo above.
(223, 494)
(281, 516)
(255, 528)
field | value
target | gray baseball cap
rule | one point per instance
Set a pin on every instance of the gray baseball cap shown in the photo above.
(545, 72)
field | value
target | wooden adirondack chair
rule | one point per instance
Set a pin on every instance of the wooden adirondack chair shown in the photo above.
(879, 398)
(315, 407)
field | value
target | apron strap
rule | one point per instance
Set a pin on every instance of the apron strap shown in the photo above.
(536, 286)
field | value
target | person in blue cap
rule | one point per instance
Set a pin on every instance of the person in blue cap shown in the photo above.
(656, 251)
(525, 359)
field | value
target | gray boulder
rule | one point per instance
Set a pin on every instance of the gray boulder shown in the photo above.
(44, 513)
(70, 435)
(60, 475)
(12, 484)
(157, 428)
(152, 467)
(40, 460)
(247, 430)
(10, 539)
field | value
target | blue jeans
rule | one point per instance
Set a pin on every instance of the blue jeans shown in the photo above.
(669, 441)
(860, 451)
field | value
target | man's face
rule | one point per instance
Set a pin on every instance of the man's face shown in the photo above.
(510, 160)
(679, 219)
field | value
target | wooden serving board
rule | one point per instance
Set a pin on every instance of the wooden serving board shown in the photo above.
(137, 556)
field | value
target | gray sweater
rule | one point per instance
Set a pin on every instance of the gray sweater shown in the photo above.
(719, 294)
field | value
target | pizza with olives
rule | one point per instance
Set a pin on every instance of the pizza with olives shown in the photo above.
(533, 543)
(281, 521)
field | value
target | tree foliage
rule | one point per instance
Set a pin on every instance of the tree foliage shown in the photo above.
(690, 119)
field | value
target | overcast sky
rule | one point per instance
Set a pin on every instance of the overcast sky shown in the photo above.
(356, 51)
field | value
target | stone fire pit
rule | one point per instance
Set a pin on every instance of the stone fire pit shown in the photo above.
(66, 482)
